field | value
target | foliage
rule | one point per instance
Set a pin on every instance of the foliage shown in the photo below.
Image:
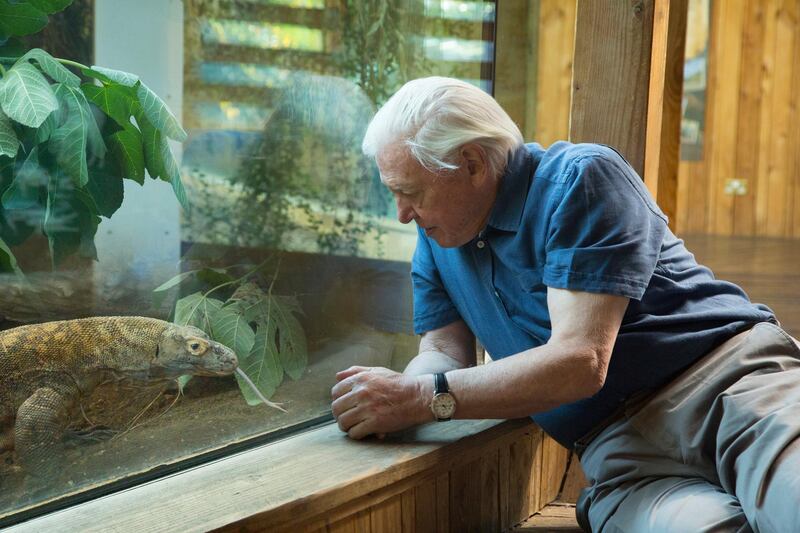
(261, 327)
(66, 143)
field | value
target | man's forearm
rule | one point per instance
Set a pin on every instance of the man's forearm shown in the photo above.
(530, 382)
(430, 362)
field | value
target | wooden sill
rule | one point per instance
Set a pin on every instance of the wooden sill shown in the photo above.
(310, 479)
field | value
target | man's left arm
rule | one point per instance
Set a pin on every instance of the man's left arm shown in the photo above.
(572, 365)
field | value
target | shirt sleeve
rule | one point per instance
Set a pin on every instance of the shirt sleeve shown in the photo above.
(433, 307)
(606, 231)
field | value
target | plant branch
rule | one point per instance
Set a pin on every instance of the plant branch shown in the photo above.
(242, 278)
(71, 63)
(67, 62)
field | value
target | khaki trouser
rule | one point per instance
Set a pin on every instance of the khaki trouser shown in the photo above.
(718, 449)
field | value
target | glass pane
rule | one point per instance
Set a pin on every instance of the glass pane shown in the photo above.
(271, 233)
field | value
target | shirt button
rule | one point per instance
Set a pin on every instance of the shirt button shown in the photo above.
(480, 244)
(497, 294)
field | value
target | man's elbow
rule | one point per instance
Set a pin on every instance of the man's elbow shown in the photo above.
(594, 369)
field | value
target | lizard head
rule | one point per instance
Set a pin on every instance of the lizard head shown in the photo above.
(188, 350)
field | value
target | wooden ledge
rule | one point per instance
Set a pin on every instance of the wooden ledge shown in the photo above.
(315, 476)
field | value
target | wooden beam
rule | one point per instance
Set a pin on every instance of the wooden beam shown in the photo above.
(626, 85)
(662, 146)
(611, 76)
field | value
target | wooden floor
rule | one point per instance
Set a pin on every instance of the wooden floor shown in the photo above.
(768, 269)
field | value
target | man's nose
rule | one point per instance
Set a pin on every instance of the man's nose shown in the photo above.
(405, 213)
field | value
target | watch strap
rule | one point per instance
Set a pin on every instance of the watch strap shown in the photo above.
(440, 385)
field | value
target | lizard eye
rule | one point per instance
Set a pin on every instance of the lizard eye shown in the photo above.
(196, 346)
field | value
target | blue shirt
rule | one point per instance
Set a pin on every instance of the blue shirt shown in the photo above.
(578, 217)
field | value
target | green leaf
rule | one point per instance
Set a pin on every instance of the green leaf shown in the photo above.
(292, 349)
(231, 329)
(173, 174)
(106, 189)
(174, 281)
(69, 223)
(50, 6)
(13, 47)
(9, 144)
(126, 146)
(159, 114)
(8, 263)
(23, 193)
(96, 145)
(68, 142)
(47, 128)
(20, 19)
(123, 78)
(195, 310)
(214, 276)
(116, 101)
(262, 365)
(151, 141)
(182, 381)
(52, 68)
(26, 96)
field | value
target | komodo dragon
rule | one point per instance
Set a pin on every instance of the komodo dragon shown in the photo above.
(46, 368)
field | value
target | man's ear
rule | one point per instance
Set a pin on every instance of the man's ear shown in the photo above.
(475, 162)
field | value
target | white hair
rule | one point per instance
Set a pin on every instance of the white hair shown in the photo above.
(434, 117)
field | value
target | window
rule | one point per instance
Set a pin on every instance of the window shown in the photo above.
(289, 234)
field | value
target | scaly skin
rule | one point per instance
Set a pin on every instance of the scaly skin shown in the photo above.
(46, 368)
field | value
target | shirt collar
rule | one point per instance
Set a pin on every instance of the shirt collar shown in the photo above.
(513, 191)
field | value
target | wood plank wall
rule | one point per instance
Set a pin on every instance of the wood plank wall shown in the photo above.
(751, 122)
(752, 117)
(492, 486)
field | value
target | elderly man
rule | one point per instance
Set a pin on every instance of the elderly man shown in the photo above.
(680, 395)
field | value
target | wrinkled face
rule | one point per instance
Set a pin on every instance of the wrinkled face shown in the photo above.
(187, 350)
(450, 206)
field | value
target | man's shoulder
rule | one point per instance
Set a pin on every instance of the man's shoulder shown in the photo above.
(563, 159)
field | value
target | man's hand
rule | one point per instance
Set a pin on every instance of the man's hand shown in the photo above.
(377, 400)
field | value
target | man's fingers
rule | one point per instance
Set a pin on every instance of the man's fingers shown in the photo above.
(360, 430)
(343, 403)
(346, 373)
(349, 418)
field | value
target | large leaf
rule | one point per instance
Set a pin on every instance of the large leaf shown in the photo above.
(292, 349)
(20, 19)
(25, 95)
(172, 174)
(123, 78)
(47, 128)
(159, 114)
(174, 281)
(159, 160)
(151, 142)
(50, 6)
(51, 67)
(68, 142)
(126, 146)
(230, 327)
(196, 310)
(106, 189)
(9, 144)
(8, 263)
(288, 332)
(69, 223)
(116, 101)
(95, 139)
(28, 181)
(262, 365)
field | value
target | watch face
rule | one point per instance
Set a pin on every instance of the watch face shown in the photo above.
(443, 405)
